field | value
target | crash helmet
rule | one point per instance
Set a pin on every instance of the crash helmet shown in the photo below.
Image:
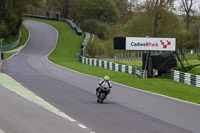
(106, 78)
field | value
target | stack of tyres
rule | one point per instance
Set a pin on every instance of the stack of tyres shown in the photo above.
(162, 61)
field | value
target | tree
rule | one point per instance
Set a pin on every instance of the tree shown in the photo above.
(11, 15)
(149, 21)
(140, 25)
(68, 8)
(187, 6)
(39, 8)
(157, 8)
(125, 9)
(102, 10)
(75, 7)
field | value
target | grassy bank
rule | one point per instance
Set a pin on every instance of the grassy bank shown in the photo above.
(69, 43)
(24, 36)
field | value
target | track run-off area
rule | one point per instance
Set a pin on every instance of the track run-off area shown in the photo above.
(126, 110)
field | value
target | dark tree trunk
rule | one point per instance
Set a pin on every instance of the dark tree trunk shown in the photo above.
(188, 21)
(156, 26)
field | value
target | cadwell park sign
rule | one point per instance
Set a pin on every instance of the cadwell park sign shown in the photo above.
(144, 43)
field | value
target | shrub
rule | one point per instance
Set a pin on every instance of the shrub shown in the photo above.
(99, 48)
(101, 29)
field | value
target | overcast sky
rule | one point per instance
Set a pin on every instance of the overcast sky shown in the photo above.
(195, 6)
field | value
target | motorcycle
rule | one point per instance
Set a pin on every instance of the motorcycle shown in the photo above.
(102, 93)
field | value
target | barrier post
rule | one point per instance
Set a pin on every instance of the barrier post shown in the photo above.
(1, 41)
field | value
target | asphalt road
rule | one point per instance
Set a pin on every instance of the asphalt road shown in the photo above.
(126, 110)
(18, 115)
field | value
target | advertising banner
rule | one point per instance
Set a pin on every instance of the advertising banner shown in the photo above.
(154, 44)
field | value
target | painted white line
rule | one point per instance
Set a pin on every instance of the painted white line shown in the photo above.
(116, 82)
(159, 94)
(82, 126)
(55, 110)
(1, 131)
(129, 86)
(121, 84)
(62, 114)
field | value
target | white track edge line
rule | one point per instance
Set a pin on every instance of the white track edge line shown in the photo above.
(1, 131)
(60, 112)
(131, 87)
(82, 126)
(119, 83)
(64, 115)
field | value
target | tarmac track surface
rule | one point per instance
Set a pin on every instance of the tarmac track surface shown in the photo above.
(18, 115)
(127, 110)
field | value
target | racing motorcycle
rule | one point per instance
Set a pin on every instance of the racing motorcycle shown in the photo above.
(104, 90)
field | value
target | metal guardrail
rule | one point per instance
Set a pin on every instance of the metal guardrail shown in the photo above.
(10, 46)
(39, 17)
(73, 25)
(70, 22)
(84, 44)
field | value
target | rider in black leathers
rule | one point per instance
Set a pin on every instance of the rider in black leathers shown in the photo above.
(104, 81)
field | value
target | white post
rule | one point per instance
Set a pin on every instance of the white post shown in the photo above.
(199, 44)
(122, 56)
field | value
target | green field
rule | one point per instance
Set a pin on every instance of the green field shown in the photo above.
(69, 43)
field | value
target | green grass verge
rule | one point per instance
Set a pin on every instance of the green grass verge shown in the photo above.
(69, 43)
(6, 56)
(191, 56)
(19, 89)
(135, 63)
(24, 36)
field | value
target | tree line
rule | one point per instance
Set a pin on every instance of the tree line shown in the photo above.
(109, 18)
(11, 16)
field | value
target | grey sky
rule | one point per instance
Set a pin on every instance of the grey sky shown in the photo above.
(195, 6)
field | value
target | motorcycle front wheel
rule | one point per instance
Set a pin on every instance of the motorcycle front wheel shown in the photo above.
(102, 97)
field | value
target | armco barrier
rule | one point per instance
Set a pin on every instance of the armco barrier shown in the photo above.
(12, 45)
(73, 25)
(113, 66)
(186, 78)
(84, 44)
(70, 22)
